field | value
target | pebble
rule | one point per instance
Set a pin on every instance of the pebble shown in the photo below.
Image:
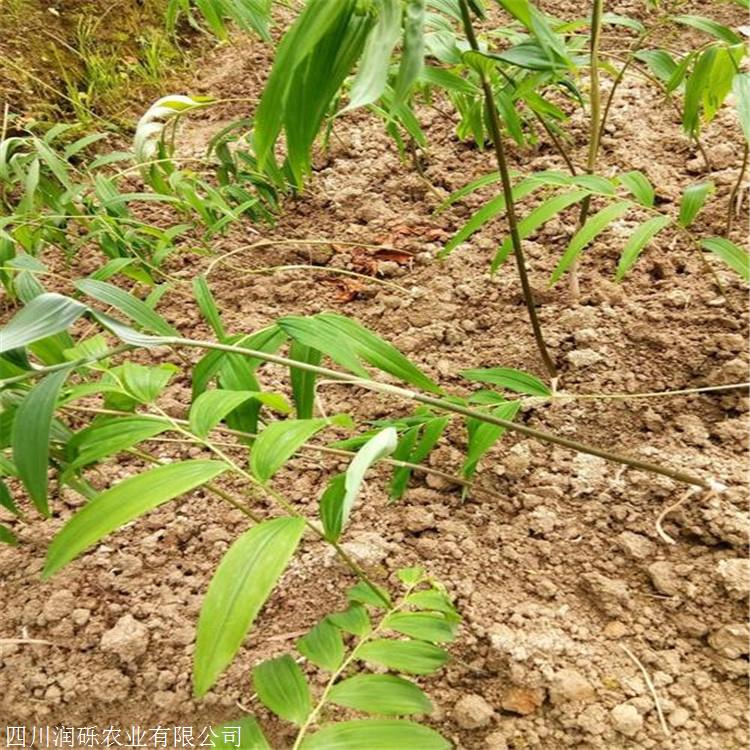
(367, 548)
(730, 640)
(520, 700)
(418, 519)
(496, 741)
(60, 604)
(735, 575)
(664, 578)
(128, 639)
(580, 358)
(635, 545)
(472, 712)
(570, 685)
(679, 717)
(626, 719)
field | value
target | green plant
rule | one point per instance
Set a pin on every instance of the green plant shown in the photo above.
(422, 617)
(495, 92)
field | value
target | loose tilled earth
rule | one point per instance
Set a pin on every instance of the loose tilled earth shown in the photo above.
(554, 560)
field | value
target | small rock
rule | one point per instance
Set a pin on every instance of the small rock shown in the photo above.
(735, 575)
(726, 721)
(664, 578)
(128, 639)
(59, 605)
(615, 629)
(612, 595)
(367, 548)
(496, 741)
(569, 685)
(731, 640)
(580, 358)
(418, 519)
(634, 545)
(523, 701)
(593, 719)
(690, 626)
(626, 719)
(472, 711)
(80, 616)
(679, 717)
(542, 521)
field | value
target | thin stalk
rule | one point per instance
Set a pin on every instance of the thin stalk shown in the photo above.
(736, 189)
(313, 715)
(510, 206)
(309, 447)
(595, 126)
(443, 404)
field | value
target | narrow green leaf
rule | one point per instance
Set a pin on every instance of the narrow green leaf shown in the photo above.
(380, 694)
(370, 81)
(31, 436)
(383, 444)
(134, 308)
(424, 626)
(431, 599)
(243, 581)
(311, 332)
(741, 91)
(693, 200)
(323, 646)
(412, 56)
(595, 225)
(489, 211)
(539, 216)
(303, 381)
(375, 734)
(482, 436)
(507, 377)
(331, 507)
(733, 255)
(376, 351)
(123, 503)
(109, 437)
(709, 26)
(207, 305)
(278, 442)
(7, 536)
(211, 407)
(363, 593)
(44, 316)
(6, 499)
(637, 242)
(638, 184)
(283, 689)
(413, 657)
(354, 620)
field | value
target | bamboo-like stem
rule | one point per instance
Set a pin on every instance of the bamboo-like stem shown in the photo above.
(443, 404)
(510, 206)
(595, 126)
(736, 189)
(310, 447)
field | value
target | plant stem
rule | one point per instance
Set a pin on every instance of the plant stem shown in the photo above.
(502, 165)
(736, 189)
(444, 404)
(595, 125)
(449, 406)
(313, 715)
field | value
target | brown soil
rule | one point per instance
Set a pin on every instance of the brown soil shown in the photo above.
(554, 560)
